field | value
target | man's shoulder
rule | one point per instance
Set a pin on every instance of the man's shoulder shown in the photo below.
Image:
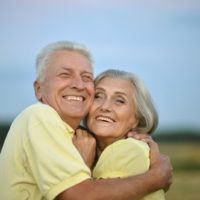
(39, 108)
(38, 111)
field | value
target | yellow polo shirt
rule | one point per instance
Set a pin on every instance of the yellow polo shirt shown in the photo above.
(38, 160)
(126, 157)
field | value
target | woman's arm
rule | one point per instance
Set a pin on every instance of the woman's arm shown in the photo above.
(86, 145)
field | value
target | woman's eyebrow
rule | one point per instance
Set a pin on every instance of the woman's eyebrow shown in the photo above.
(99, 88)
(121, 93)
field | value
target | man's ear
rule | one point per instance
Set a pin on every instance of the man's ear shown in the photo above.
(37, 89)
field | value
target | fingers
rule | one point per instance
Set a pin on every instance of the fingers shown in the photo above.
(169, 170)
(79, 135)
(82, 136)
(138, 136)
(131, 134)
(145, 138)
(82, 133)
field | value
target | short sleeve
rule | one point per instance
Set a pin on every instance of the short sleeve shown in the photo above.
(53, 160)
(127, 157)
(122, 159)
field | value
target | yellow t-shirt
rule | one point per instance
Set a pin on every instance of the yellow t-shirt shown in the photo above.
(126, 157)
(38, 160)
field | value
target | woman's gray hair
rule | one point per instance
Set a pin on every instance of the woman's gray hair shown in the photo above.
(44, 56)
(146, 113)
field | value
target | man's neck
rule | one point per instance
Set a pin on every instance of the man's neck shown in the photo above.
(73, 122)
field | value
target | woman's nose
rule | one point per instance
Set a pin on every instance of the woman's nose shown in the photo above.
(106, 105)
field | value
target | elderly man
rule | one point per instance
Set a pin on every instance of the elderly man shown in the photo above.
(39, 160)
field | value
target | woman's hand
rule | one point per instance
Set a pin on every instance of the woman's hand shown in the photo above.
(86, 145)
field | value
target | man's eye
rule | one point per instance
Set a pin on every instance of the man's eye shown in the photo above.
(87, 78)
(65, 75)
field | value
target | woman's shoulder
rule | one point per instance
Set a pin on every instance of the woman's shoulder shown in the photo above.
(130, 143)
(124, 149)
(123, 158)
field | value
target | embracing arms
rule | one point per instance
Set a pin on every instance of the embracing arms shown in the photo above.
(135, 187)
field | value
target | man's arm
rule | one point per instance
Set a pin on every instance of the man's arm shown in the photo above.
(158, 177)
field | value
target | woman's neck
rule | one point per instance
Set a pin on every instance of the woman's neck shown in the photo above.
(102, 144)
(100, 148)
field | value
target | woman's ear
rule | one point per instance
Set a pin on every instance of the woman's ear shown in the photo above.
(37, 89)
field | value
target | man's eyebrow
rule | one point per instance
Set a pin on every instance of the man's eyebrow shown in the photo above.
(66, 68)
(88, 72)
(69, 69)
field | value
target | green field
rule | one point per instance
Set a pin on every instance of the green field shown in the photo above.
(185, 158)
(186, 186)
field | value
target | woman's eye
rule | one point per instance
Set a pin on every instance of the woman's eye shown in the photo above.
(120, 101)
(98, 96)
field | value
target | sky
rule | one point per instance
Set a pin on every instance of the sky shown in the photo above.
(158, 40)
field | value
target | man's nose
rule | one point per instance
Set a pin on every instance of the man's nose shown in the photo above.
(77, 82)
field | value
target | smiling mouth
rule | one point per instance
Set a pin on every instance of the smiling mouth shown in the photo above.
(75, 98)
(105, 119)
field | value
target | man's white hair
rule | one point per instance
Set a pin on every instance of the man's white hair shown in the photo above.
(44, 56)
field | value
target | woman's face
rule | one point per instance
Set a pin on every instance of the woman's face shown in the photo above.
(113, 111)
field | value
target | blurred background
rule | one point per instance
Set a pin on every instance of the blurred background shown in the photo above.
(157, 40)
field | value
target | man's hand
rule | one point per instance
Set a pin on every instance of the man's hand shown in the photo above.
(86, 145)
(160, 165)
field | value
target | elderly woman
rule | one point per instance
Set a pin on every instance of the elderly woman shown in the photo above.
(121, 104)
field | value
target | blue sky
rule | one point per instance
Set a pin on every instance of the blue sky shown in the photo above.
(157, 40)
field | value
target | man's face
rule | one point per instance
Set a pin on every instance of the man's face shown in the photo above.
(68, 86)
